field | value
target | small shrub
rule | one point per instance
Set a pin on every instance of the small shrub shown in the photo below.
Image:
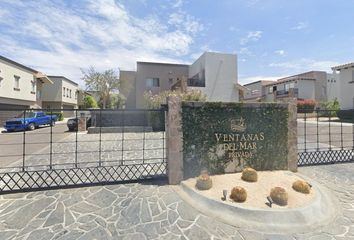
(249, 175)
(306, 106)
(204, 182)
(60, 115)
(301, 186)
(154, 101)
(279, 196)
(238, 194)
(329, 108)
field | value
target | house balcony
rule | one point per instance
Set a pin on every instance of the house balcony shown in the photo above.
(292, 92)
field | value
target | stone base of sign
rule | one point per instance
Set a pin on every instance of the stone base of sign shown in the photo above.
(318, 213)
(82, 124)
(174, 140)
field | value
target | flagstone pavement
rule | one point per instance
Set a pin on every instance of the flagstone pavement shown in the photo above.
(151, 210)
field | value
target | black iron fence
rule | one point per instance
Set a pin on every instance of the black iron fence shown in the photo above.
(89, 146)
(324, 138)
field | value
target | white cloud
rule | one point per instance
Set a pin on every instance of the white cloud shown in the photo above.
(246, 52)
(280, 52)
(177, 4)
(252, 36)
(300, 26)
(185, 22)
(103, 33)
(306, 64)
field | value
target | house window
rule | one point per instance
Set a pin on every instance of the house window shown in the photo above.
(67, 92)
(63, 91)
(39, 94)
(1, 78)
(197, 80)
(270, 89)
(16, 83)
(70, 93)
(152, 82)
(76, 93)
(33, 91)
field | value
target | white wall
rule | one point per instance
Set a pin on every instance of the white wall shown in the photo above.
(306, 89)
(220, 76)
(346, 90)
(8, 71)
(333, 88)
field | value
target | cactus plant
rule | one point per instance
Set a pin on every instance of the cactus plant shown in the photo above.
(301, 186)
(249, 175)
(204, 182)
(279, 196)
(238, 194)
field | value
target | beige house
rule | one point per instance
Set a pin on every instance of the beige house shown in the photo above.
(61, 95)
(344, 74)
(316, 85)
(214, 74)
(21, 87)
(254, 92)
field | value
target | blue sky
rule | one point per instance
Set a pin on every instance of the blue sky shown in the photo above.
(273, 38)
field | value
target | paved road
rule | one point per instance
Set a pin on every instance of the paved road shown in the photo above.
(152, 211)
(11, 144)
(324, 134)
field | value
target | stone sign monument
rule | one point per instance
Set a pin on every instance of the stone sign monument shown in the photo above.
(227, 137)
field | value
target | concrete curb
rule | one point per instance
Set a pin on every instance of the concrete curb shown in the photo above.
(318, 213)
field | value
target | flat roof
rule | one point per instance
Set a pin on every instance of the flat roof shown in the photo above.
(290, 80)
(71, 81)
(261, 81)
(18, 64)
(159, 63)
(343, 66)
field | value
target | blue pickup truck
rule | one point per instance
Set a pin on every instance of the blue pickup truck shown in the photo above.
(30, 121)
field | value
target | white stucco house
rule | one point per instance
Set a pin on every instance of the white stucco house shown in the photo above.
(344, 74)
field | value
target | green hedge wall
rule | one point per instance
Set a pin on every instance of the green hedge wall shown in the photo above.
(201, 150)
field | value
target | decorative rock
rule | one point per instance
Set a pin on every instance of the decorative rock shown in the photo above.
(301, 186)
(249, 175)
(238, 194)
(204, 182)
(279, 196)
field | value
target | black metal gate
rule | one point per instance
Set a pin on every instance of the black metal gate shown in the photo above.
(118, 146)
(324, 139)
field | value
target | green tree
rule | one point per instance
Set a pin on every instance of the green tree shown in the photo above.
(89, 102)
(103, 82)
(116, 101)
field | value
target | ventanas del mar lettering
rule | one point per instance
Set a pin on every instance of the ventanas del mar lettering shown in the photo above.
(239, 145)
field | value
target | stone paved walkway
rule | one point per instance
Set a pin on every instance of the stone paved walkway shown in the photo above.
(150, 211)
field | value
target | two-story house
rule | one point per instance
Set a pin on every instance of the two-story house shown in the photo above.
(214, 74)
(61, 95)
(20, 87)
(316, 85)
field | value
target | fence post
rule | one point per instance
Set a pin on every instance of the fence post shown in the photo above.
(174, 140)
(292, 135)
